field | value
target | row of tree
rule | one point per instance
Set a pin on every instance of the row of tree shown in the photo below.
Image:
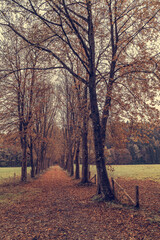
(27, 103)
(106, 56)
(122, 147)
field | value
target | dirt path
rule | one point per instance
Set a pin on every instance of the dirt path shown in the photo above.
(54, 207)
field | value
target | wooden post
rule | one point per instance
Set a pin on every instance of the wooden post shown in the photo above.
(113, 185)
(14, 177)
(89, 174)
(137, 197)
(95, 178)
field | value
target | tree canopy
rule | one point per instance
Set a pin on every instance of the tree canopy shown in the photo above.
(111, 47)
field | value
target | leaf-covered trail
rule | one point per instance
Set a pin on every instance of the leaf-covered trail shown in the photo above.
(55, 207)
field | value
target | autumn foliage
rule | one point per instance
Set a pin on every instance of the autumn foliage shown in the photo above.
(108, 56)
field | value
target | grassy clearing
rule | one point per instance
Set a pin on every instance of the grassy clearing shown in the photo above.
(137, 171)
(127, 171)
(10, 173)
(11, 189)
(151, 172)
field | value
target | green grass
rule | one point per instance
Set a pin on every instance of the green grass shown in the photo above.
(8, 173)
(127, 171)
(132, 171)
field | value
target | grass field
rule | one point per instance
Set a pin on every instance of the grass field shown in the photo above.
(132, 171)
(127, 171)
(7, 173)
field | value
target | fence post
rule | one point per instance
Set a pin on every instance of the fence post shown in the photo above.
(95, 178)
(137, 197)
(113, 185)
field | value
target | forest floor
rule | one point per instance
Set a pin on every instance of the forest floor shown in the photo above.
(54, 206)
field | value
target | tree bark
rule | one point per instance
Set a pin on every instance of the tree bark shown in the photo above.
(77, 175)
(24, 159)
(104, 184)
(71, 163)
(37, 165)
(85, 140)
(31, 159)
(42, 156)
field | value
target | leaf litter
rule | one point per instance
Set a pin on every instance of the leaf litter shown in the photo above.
(55, 206)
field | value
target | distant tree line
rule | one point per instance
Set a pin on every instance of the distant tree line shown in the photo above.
(10, 158)
(146, 152)
(124, 147)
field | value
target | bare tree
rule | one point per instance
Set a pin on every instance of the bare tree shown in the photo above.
(106, 33)
(20, 90)
(18, 99)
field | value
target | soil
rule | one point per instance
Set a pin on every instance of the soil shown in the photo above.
(55, 206)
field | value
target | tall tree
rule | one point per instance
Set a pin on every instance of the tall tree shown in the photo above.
(76, 123)
(18, 96)
(44, 121)
(21, 87)
(107, 32)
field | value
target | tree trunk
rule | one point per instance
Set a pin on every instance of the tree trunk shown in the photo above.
(66, 162)
(31, 159)
(71, 165)
(77, 161)
(37, 165)
(42, 156)
(85, 140)
(62, 161)
(37, 160)
(24, 160)
(104, 184)
(84, 158)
